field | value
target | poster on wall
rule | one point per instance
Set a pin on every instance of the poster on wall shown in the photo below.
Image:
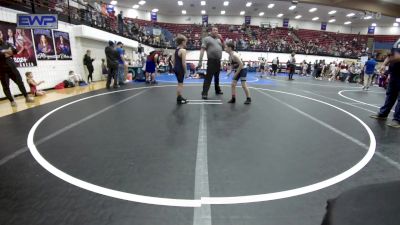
(22, 41)
(204, 20)
(44, 44)
(371, 30)
(285, 22)
(153, 16)
(247, 20)
(62, 44)
(323, 26)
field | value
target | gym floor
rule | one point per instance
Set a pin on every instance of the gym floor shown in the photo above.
(132, 156)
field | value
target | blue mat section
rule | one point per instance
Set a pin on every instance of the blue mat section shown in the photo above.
(252, 78)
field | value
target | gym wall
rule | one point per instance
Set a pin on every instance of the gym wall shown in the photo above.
(81, 39)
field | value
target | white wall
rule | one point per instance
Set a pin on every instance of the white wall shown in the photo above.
(193, 56)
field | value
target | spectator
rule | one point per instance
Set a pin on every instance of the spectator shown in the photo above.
(120, 23)
(9, 71)
(74, 77)
(369, 70)
(88, 62)
(393, 90)
(112, 64)
(121, 63)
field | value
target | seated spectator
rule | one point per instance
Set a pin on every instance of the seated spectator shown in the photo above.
(33, 85)
(74, 77)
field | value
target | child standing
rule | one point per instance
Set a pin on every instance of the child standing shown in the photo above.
(33, 85)
(240, 73)
(179, 63)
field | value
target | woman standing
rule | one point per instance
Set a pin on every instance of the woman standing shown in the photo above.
(88, 62)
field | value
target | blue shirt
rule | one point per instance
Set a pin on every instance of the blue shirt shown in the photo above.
(120, 52)
(370, 66)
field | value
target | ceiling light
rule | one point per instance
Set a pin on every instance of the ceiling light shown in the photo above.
(203, 12)
(261, 14)
(242, 13)
(184, 12)
(315, 18)
(332, 20)
(397, 19)
(270, 6)
(373, 24)
(154, 10)
(203, 3)
(347, 22)
(292, 7)
(332, 12)
(248, 4)
(297, 17)
(396, 24)
(280, 15)
(142, 2)
(113, 2)
(135, 6)
(367, 17)
(312, 10)
(180, 3)
(226, 3)
(350, 14)
(223, 12)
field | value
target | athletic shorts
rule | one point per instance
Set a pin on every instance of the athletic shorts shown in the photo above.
(180, 76)
(274, 67)
(150, 67)
(242, 75)
(262, 67)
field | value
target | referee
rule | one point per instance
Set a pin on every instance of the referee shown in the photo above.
(213, 44)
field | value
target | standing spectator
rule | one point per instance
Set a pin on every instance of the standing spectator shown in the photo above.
(121, 63)
(292, 66)
(275, 63)
(393, 90)
(213, 44)
(88, 62)
(112, 64)
(369, 70)
(308, 71)
(99, 18)
(120, 23)
(151, 67)
(8, 70)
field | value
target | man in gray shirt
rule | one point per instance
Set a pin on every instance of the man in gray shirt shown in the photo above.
(213, 44)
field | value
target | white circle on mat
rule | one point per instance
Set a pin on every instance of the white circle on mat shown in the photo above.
(206, 200)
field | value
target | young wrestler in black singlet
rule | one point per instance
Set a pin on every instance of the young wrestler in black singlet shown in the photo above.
(240, 73)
